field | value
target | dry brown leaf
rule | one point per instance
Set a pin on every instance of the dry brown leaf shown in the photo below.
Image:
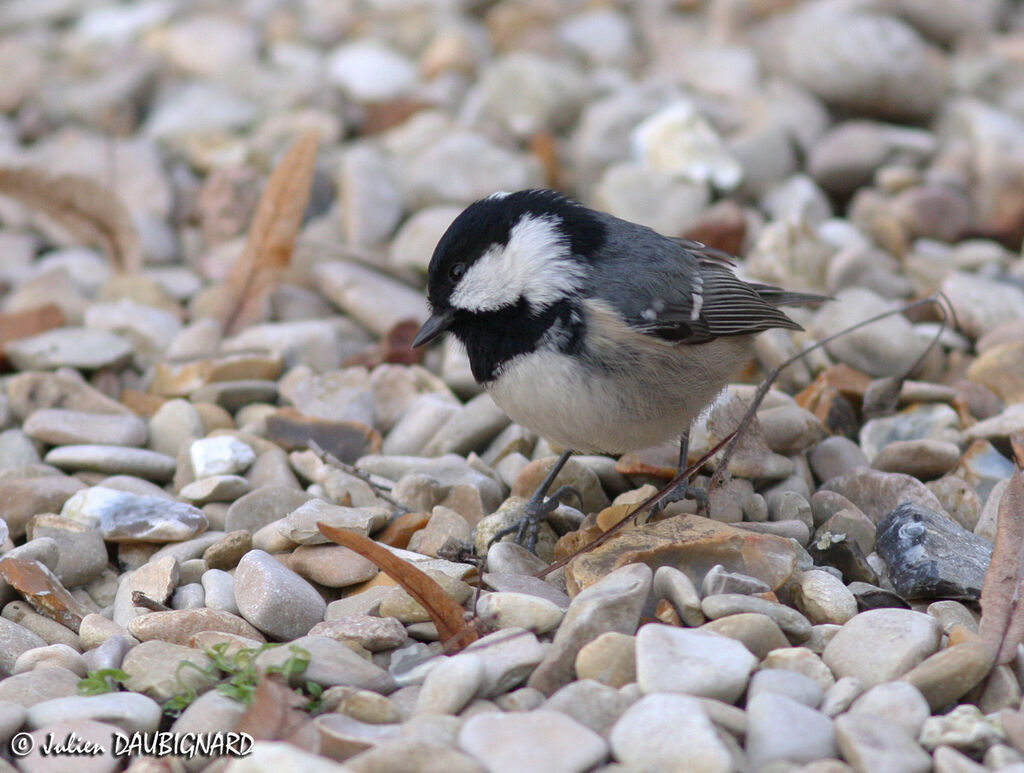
(1002, 613)
(21, 324)
(244, 298)
(41, 588)
(448, 616)
(275, 712)
(88, 210)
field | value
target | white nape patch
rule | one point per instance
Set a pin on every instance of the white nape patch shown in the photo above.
(535, 264)
(649, 314)
(498, 195)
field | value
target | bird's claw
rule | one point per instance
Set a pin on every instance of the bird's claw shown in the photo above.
(535, 512)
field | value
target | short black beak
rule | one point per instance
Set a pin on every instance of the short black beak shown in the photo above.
(433, 327)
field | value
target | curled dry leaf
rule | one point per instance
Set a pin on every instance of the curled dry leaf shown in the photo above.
(85, 208)
(244, 298)
(41, 588)
(448, 616)
(275, 712)
(1002, 608)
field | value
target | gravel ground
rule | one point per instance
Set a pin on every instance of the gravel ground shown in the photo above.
(159, 497)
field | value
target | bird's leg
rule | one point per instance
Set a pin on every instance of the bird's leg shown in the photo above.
(537, 508)
(684, 490)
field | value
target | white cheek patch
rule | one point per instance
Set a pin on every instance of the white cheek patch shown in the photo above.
(535, 265)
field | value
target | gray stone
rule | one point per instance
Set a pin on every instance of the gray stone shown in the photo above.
(120, 516)
(930, 555)
(69, 347)
(113, 460)
(274, 599)
(875, 745)
(127, 710)
(695, 662)
(57, 426)
(780, 728)
(686, 738)
(882, 644)
(531, 742)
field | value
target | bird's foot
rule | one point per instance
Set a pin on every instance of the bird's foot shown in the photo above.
(535, 512)
(683, 491)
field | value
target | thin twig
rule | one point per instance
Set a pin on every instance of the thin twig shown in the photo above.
(380, 490)
(769, 380)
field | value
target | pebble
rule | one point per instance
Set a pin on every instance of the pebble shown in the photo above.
(131, 712)
(897, 702)
(113, 460)
(780, 728)
(874, 744)
(791, 684)
(794, 624)
(609, 659)
(221, 455)
(539, 740)
(758, 633)
(689, 661)
(519, 610)
(275, 599)
(121, 516)
(823, 598)
(930, 555)
(69, 347)
(687, 739)
(613, 603)
(62, 427)
(882, 644)
(450, 685)
(924, 459)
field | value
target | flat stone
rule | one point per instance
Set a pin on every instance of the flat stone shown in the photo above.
(540, 740)
(120, 516)
(875, 745)
(695, 662)
(691, 544)
(878, 493)
(950, 673)
(129, 711)
(823, 598)
(262, 506)
(38, 685)
(758, 633)
(216, 488)
(609, 659)
(300, 525)
(794, 624)
(113, 460)
(882, 644)
(592, 704)
(330, 663)
(780, 728)
(924, 459)
(450, 685)
(519, 610)
(346, 440)
(368, 631)
(333, 566)
(58, 426)
(898, 702)
(30, 392)
(930, 555)
(154, 669)
(275, 599)
(69, 347)
(687, 739)
(178, 625)
(23, 498)
(15, 640)
(81, 552)
(509, 657)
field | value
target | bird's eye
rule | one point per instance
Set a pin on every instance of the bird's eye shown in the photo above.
(456, 271)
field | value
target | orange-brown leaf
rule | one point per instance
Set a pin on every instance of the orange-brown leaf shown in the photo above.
(275, 712)
(1002, 612)
(21, 324)
(85, 208)
(43, 591)
(245, 295)
(448, 616)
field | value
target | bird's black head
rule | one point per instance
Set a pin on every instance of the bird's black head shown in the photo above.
(526, 250)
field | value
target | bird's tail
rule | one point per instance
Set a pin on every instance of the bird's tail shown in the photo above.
(776, 296)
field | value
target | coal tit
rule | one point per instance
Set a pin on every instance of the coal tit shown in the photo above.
(599, 334)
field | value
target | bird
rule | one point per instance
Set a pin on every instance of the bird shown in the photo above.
(599, 334)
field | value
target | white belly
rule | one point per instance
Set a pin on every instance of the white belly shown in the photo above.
(652, 396)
